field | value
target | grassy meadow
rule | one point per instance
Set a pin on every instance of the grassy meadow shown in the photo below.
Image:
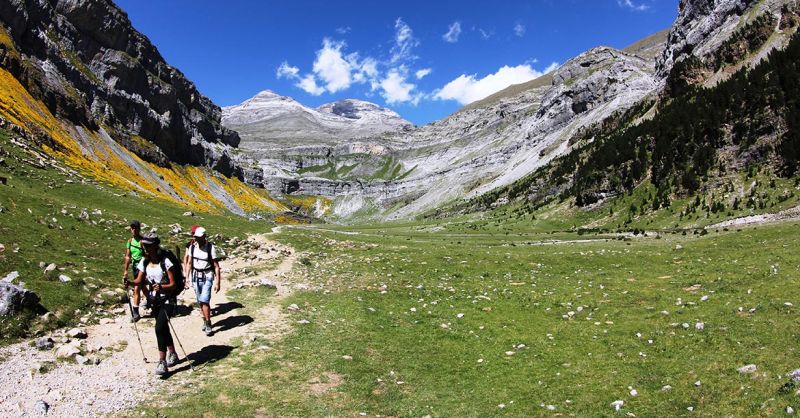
(411, 319)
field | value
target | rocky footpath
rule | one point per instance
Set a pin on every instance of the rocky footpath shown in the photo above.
(98, 369)
(86, 62)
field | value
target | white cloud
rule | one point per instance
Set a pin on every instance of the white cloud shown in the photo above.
(486, 34)
(422, 73)
(287, 71)
(519, 30)
(453, 31)
(331, 67)
(309, 85)
(404, 42)
(343, 30)
(633, 6)
(397, 90)
(467, 88)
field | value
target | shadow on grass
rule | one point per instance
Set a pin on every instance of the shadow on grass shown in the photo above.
(226, 307)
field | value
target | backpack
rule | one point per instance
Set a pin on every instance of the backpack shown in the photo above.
(177, 270)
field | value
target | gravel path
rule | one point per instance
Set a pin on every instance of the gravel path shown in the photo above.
(121, 380)
(784, 215)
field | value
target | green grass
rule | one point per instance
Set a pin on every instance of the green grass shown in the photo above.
(40, 222)
(511, 292)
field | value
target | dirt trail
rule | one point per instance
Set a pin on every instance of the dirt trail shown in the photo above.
(121, 380)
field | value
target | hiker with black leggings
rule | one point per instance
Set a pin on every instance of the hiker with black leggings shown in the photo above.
(156, 273)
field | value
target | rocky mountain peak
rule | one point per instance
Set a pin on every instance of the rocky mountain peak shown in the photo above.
(355, 109)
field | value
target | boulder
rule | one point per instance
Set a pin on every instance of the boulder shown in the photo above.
(67, 351)
(79, 333)
(41, 407)
(63, 278)
(14, 298)
(10, 277)
(44, 343)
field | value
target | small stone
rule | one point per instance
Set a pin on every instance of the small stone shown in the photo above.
(106, 321)
(346, 357)
(50, 267)
(79, 333)
(551, 407)
(44, 343)
(617, 405)
(678, 247)
(41, 407)
(666, 388)
(700, 326)
(303, 322)
(461, 315)
(293, 307)
(690, 408)
(63, 278)
(704, 298)
(685, 325)
(67, 351)
(509, 353)
(698, 383)
(747, 369)
(188, 213)
(795, 375)
(634, 392)
(79, 359)
(2, 248)
(790, 410)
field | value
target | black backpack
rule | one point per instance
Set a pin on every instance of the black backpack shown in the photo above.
(177, 270)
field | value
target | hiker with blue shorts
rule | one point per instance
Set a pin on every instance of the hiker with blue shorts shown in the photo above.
(202, 266)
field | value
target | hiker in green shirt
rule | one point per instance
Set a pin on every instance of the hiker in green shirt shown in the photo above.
(133, 254)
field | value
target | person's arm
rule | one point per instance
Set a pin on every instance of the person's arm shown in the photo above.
(218, 275)
(127, 262)
(169, 285)
(138, 279)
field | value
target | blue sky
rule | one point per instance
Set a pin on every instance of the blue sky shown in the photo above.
(423, 59)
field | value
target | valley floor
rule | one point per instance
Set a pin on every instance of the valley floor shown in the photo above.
(405, 320)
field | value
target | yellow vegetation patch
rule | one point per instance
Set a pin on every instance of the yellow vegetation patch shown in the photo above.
(5, 40)
(107, 161)
(310, 203)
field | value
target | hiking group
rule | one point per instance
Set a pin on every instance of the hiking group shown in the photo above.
(160, 276)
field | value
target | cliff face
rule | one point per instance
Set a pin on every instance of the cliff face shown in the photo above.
(81, 83)
(85, 61)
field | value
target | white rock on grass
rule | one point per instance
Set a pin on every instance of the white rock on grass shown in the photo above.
(10, 277)
(795, 375)
(747, 369)
(634, 393)
(293, 307)
(666, 388)
(63, 278)
(700, 326)
(617, 405)
(790, 410)
(50, 267)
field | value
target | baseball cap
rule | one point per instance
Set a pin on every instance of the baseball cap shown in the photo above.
(199, 232)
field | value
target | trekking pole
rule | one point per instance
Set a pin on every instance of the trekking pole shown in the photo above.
(169, 321)
(135, 328)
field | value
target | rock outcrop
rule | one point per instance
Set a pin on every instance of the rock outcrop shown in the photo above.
(85, 61)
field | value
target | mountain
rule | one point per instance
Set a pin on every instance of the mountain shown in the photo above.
(80, 81)
(495, 142)
(407, 171)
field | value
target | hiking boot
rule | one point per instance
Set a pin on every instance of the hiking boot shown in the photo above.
(207, 328)
(161, 369)
(172, 358)
(135, 315)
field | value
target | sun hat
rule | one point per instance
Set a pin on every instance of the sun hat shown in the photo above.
(150, 238)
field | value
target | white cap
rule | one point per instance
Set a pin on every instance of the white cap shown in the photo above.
(200, 232)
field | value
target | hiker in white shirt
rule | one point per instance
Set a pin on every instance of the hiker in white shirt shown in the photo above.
(202, 268)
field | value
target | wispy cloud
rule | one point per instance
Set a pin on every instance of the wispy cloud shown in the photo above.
(519, 30)
(344, 30)
(633, 6)
(484, 33)
(453, 32)
(404, 42)
(287, 71)
(466, 89)
(422, 73)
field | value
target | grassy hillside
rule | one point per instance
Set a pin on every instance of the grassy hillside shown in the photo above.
(40, 221)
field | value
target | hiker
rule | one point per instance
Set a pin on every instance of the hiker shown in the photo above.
(133, 255)
(203, 267)
(156, 272)
(186, 257)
